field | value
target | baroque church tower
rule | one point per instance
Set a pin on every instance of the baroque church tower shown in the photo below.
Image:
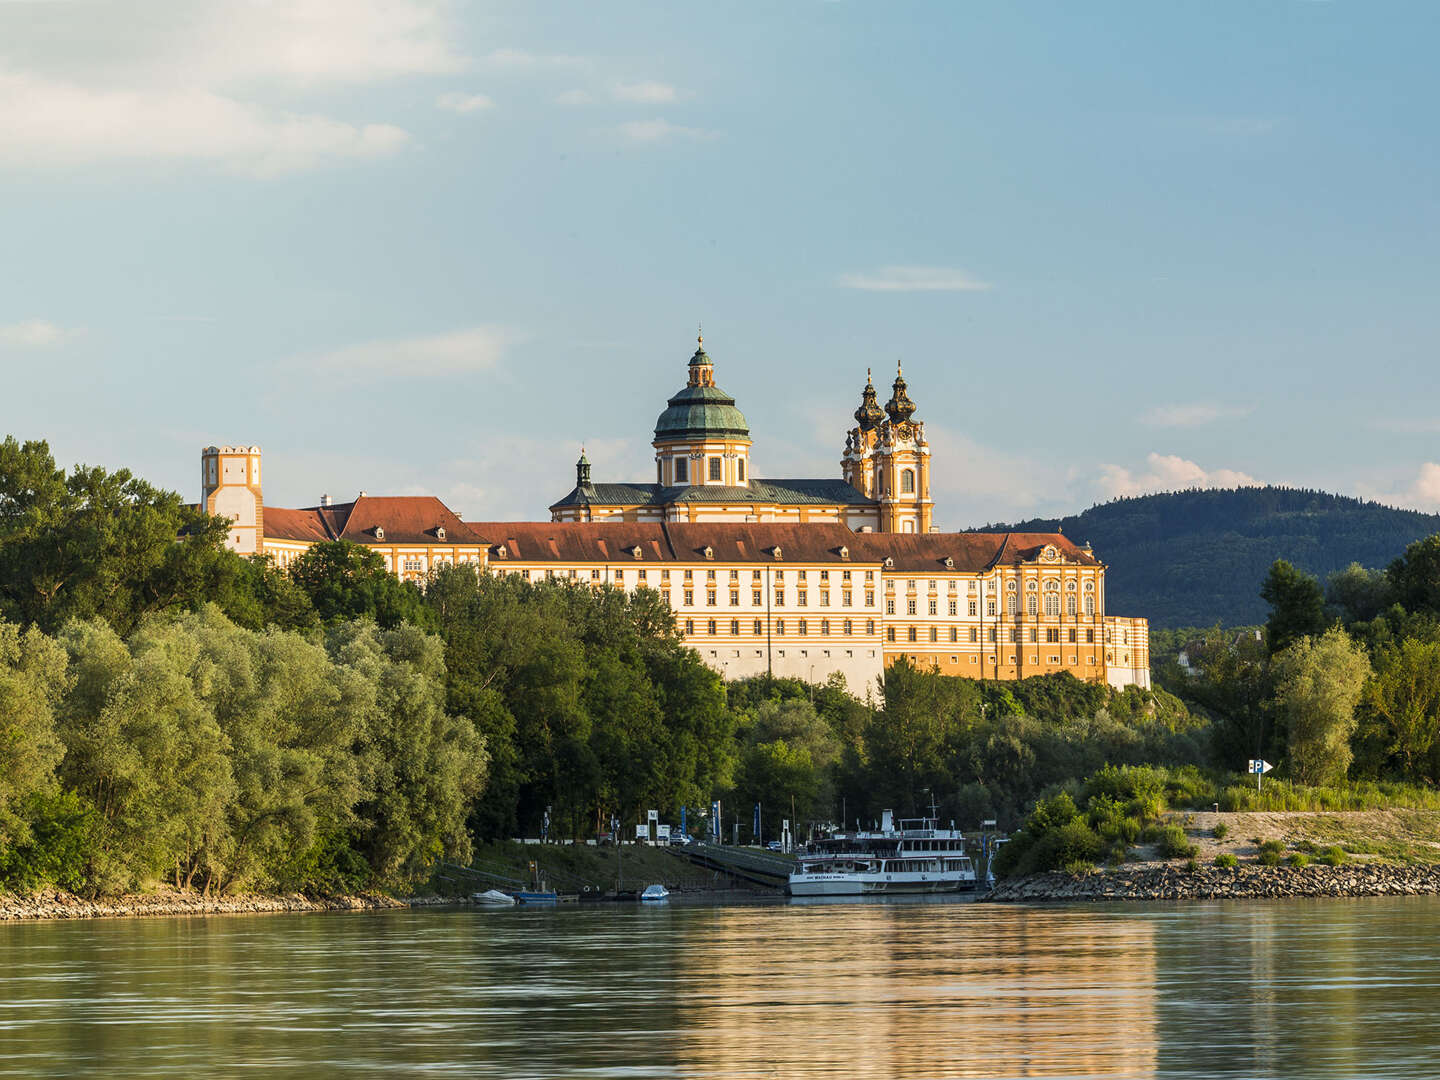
(230, 487)
(702, 438)
(887, 459)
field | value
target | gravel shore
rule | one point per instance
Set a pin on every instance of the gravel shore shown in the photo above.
(61, 905)
(1214, 883)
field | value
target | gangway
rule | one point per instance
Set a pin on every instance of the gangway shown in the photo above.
(767, 871)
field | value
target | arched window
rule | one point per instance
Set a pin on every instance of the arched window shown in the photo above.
(1089, 605)
(1052, 603)
(907, 481)
(1012, 606)
(1031, 605)
(1069, 605)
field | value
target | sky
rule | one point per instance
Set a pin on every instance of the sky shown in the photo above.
(424, 247)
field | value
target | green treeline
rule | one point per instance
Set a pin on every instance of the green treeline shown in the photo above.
(1340, 692)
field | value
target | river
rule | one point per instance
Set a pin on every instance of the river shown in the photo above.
(941, 989)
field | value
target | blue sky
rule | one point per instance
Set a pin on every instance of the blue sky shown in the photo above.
(413, 246)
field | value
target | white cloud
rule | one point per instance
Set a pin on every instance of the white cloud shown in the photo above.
(1167, 472)
(35, 333)
(915, 279)
(464, 103)
(645, 93)
(1193, 414)
(574, 97)
(43, 122)
(522, 60)
(478, 348)
(1422, 494)
(659, 130)
(220, 82)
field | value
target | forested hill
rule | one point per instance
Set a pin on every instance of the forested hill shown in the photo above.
(1190, 558)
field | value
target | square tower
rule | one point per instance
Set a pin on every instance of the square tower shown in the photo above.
(230, 488)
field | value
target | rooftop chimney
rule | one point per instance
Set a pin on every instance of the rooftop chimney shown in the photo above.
(325, 500)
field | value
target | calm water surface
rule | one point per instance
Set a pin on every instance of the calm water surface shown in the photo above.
(1303, 989)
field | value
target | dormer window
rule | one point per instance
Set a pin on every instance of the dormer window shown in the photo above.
(379, 532)
(775, 551)
(889, 563)
(709, 552)
(502, 552)
(440, 532)
(844, 553)
(637, 552)
(949, 563)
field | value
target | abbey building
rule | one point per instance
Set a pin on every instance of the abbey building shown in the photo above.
(794, 577)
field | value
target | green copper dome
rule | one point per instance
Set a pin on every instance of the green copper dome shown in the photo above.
(699, 412)
(702, 410)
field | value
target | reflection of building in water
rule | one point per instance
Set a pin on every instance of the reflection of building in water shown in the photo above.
(919, 990)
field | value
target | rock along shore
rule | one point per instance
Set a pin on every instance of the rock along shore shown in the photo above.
(61, 905)
(1214, 883)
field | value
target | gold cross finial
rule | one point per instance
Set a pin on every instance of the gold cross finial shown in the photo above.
(699, 335)
(898, 372)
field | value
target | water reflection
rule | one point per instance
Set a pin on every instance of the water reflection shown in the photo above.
(855, 990)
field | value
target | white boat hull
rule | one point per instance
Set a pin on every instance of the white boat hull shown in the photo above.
(877, 884)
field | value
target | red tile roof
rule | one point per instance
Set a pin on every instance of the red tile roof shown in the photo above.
(971, 552)
(304, 525)
(406, 519)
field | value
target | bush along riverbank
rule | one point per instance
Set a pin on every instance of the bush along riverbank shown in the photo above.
(1220, 883)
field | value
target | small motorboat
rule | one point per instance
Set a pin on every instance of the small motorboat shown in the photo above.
(492, 897)
(653, 894)
(537, 896)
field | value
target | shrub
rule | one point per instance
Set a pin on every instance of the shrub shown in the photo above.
(1174, 844)
(1191, 866)
(1299, 859)
(1226, 861)
(1220, 831)
(1333, 856)
(1272, 847)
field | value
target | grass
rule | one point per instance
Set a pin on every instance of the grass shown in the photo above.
(1226, 861)
(1220, 831)
(1282, 795)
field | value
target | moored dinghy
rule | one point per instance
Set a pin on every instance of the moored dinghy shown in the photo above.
(492, 898)
(653, 894)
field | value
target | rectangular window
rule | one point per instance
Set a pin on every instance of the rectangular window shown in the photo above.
(824, 575)
(689, 597)
(870, 627)
(709, 575)
(710, 598)
(825, 626)
(1015, 634)
(845, 598)
(734, 575)
(714, 468)
(889, 633)
(869, 598)
(689, 575)
(1072, 636)
(804, 627)
(759, 628)
(934, 634)
(803, 598)
(740, 470)
(734, 597)
(682, 470)
(910, 607)
(990, 607)
(1089, 637)
(665, 595)
(594, 575)
(954, 607)
(619, 576)
(869, 575)
(934, 608)
(800, 574)
(954, 633)
(779, 627)
(889, 605)
(844, 575)
(848, 626)
(734, 627)
(912, 633)
(710, 626)
(974, 634)
(756, 598)
(824, 597)
(992, 633)
(754, 575)
(779, 575)
(779, 597)
(664, 575)
(973, 610)
(689, 626)
(1034, 635)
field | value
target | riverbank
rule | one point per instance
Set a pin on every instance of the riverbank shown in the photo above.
(51, 904)
(1217, 883)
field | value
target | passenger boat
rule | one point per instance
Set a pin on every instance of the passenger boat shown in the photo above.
(916, 857)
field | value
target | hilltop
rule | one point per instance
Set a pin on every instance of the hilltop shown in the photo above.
(1191, 558)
